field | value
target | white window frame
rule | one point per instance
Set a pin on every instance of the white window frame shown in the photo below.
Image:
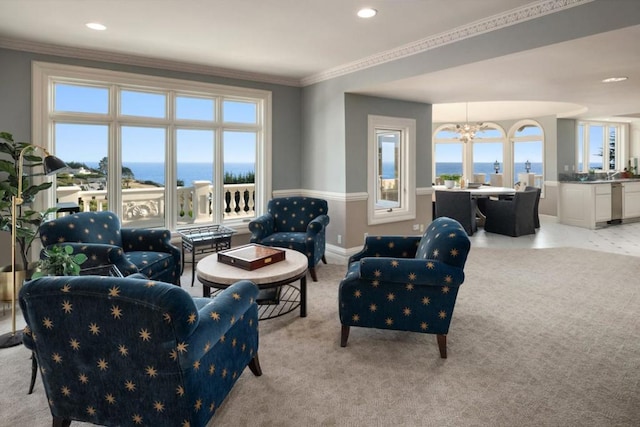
(513, 139)
(46, 74)
(407, 158)
(620, 146)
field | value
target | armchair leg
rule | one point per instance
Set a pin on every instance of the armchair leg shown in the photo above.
(61, 422)
(324, 259)
(34, 372)
(254, 365)
(344, 336)
(312, 271)
(442, 345)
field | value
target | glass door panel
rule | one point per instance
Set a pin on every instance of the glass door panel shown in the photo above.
(84, 149)
(196, 174)
(389, 169)
(143, 176)
(239, 158)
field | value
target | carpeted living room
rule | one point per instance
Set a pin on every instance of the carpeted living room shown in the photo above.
(445, 196)
(540, 336)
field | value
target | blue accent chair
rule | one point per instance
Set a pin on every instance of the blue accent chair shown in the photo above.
(297, 223)
(132, 250)
(406, 283)
(121, 351)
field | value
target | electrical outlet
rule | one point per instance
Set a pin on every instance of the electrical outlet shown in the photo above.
(339, 239)
(422, 228)
(416, 227)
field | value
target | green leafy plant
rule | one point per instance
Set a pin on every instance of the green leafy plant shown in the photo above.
(27, 220)
(450, 177)
(59, 261)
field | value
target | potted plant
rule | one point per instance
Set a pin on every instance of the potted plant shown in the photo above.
(59, 260)
(27, 220)
(450, 179)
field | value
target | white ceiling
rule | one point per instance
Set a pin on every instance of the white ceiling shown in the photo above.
(294, 40)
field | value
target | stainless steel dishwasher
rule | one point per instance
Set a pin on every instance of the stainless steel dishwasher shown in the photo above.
(616, 202)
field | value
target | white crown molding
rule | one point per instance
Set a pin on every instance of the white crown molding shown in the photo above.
(142, 61)
(496, 22)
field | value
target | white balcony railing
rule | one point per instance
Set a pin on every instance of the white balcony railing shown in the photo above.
(145, 207)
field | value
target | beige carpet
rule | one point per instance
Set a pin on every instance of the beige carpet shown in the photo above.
(539, 337)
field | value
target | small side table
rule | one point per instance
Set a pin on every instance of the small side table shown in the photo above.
(101, 270)
(205, 239)
(67, 207)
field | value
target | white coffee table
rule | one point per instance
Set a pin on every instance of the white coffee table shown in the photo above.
(279, 277)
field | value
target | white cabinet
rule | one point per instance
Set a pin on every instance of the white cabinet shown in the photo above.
(603, 202)
(630, 200)
(584, 205)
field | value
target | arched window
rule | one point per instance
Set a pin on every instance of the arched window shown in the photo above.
(527, 151)
(488, 149)
(474, 158)
(448, 153)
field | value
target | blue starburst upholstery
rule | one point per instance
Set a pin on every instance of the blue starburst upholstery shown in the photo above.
(406, 283)
(297, 223)
(99, 236)
(121, 351)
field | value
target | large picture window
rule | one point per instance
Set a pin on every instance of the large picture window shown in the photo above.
(159, 152)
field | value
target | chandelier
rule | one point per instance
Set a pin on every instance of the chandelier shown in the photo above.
(467, 131)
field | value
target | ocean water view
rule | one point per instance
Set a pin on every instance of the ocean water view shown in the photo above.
(456, 168)
(187, 172)
(486, 168)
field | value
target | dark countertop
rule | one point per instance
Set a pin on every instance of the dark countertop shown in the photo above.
(602, 181)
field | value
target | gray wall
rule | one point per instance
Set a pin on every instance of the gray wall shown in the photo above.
(324, 128)
(358, 108)
(567, 145)
(15, 106)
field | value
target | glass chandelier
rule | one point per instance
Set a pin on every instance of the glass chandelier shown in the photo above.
(467, 131)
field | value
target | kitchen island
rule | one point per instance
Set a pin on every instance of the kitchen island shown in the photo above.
(594, 204)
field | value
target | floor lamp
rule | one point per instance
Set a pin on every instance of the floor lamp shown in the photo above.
(51, 165)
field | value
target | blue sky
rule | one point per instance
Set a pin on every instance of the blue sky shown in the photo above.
(88, 143)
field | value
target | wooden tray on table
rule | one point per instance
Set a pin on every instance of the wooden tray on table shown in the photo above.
(251, 257)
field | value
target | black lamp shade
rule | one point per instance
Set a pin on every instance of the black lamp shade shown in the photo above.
(53, 165)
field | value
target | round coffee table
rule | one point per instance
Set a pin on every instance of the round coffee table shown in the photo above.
(278, 296)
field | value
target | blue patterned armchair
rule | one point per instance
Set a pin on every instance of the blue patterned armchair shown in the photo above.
(100, 236)
(297, 223)
(406, 283)
(122, 351)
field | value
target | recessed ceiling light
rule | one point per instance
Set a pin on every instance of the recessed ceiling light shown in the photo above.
(96, 26)
(367, 12)
(614, 79)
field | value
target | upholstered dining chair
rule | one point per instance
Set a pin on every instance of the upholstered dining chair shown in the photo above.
(99, 235)
(512, 217)
(406, 283)
(123, 351)
(458, 205)
(297, 223)
(536, 216)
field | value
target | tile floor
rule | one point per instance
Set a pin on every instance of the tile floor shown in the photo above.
(622, 238)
